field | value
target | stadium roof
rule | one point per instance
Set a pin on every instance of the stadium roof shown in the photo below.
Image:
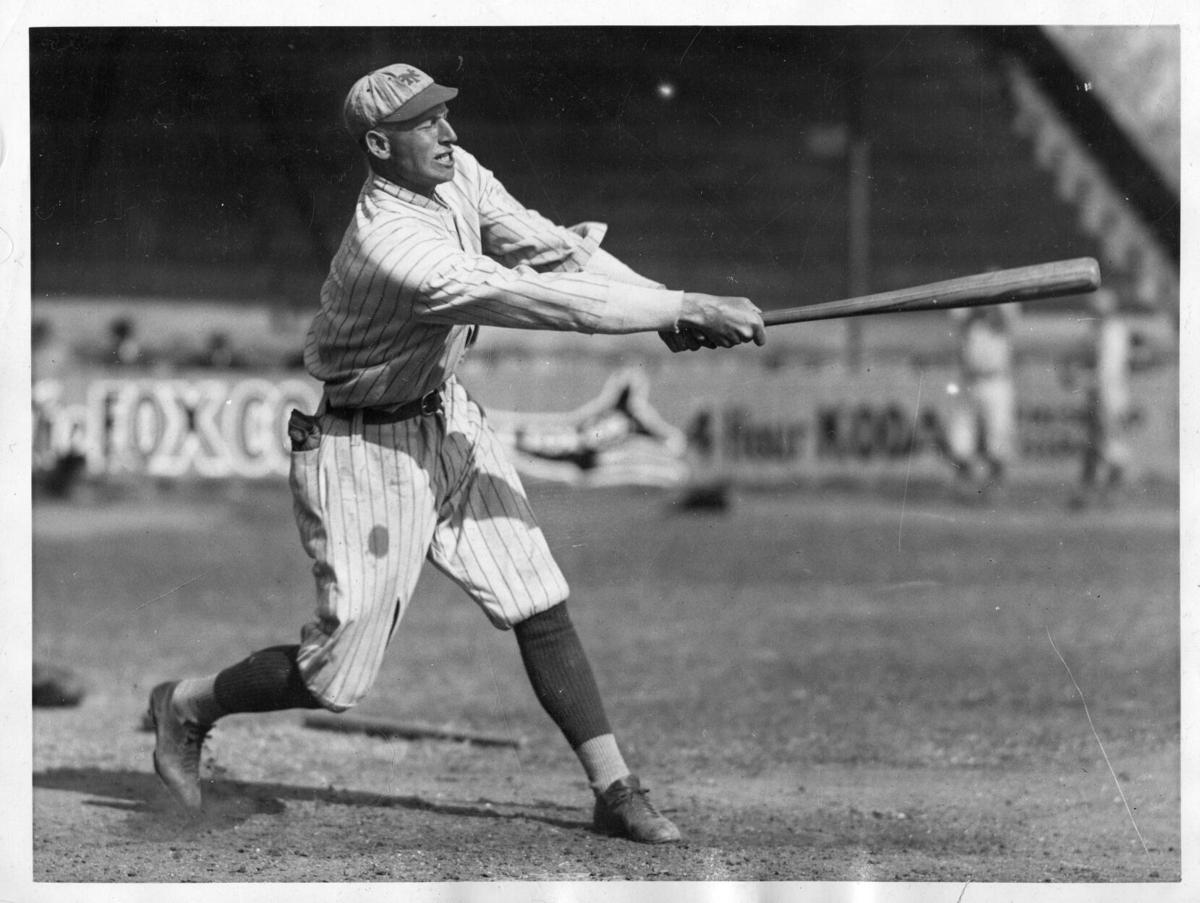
(1101, 109)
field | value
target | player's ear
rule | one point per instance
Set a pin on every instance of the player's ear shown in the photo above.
(376, 144)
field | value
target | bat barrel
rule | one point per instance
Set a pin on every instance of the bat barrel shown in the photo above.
(1031, 283)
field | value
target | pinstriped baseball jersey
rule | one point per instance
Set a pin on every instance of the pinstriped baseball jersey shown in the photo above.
(413, 273)
(373, 502)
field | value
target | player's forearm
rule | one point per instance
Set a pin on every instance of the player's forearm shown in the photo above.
(632, 308)
(725, 320)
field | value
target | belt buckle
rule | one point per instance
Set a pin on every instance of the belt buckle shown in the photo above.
(431, 402)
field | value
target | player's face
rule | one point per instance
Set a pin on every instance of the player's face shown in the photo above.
(421, 151)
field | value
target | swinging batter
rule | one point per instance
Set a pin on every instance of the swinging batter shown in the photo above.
(399, 465)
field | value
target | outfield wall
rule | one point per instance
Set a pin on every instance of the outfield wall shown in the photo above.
(591, 420)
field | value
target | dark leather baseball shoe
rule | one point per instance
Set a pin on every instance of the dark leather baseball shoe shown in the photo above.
(623, 811)
(177, 747)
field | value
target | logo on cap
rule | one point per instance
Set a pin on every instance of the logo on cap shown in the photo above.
(410, 76)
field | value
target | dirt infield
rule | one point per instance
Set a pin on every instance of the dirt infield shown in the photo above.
(817, 688)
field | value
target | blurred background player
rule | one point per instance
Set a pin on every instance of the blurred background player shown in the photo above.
(1107, 362)
(981, 433)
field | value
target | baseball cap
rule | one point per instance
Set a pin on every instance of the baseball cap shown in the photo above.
(392, 94)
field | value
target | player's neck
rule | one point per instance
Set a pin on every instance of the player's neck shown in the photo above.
(383, 171)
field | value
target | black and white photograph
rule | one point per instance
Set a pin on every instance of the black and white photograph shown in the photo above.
(581, 456)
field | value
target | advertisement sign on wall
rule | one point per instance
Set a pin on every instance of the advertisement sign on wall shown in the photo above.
(767, 426)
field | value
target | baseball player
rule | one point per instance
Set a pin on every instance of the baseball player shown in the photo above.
(1106, 453)
(983, 420)
(399, 464)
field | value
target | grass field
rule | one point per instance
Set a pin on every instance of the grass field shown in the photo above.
(817, 686)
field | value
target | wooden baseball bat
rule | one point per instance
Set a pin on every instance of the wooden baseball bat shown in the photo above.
(1041, 280)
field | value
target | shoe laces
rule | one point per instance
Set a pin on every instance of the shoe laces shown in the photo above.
(645, 801)
(635, 796)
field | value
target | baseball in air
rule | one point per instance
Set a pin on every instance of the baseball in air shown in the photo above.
(665, 90)
(952, 389)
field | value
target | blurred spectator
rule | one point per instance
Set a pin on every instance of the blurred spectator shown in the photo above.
(123, 345)
(48, 355)
(980, 435)
(218, 352)
(45, 358)
(55, 470)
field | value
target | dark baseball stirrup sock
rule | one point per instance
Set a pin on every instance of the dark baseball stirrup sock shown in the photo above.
(267, 681)
(563, 682)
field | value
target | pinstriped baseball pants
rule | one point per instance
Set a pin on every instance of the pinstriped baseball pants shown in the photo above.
(373, 502)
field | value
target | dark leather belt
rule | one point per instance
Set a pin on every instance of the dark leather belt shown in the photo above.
(429, 403)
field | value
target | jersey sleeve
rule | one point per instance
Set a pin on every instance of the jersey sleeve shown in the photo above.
(478, 290)
(469, 289)
(421, 278)
(514, 234)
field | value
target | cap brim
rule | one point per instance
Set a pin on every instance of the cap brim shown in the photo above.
(421, 102)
